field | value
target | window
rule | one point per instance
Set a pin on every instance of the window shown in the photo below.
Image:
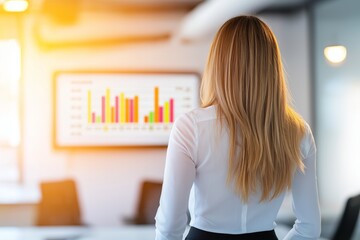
(9, 109)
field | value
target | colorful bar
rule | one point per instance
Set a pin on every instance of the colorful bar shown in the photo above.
(126, 110)
(116, 109)
(151, 117)
(123, 108)
(108, 107)
(89, 107)
(103, 109)
(112, 114)
(171, 110)
(166, 112)
(131, 108)
(161, 113)
(98, 119)
(156, 104)
(127, 119)
(93, 117)
(136, 109)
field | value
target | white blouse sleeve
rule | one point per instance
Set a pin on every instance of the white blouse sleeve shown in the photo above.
(305, 197)
(171, 217)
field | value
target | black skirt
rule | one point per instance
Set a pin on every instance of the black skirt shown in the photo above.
(198, 234)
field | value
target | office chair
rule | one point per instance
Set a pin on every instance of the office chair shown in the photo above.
(148, 203)
(59, 204)
(348, 221)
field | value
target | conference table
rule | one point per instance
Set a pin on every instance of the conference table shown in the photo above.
(90, 233)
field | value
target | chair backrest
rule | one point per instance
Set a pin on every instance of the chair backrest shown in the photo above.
(149, 202)
(59, 204)
(348, 220)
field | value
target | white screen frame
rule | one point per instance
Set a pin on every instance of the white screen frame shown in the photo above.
(62, 141)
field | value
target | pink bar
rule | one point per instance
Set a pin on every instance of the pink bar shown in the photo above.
(171, 110)
(117, 109)
(161, 113)
(103, 109)
(93, 117)
(131, 110)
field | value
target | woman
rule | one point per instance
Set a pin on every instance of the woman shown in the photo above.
(242, 150)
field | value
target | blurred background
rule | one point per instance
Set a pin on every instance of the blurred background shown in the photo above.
(319, 44)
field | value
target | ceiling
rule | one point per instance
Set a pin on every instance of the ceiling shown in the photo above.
(120, 4)
(166, 3)
(199, 19)
(209, 15)
(175, 4)
(338, 9)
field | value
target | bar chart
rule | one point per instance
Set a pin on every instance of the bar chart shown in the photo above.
(121, 109)
(126, 110)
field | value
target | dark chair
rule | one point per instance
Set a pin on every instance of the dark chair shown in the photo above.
(59, 204)
(347, 224)
(148, 203)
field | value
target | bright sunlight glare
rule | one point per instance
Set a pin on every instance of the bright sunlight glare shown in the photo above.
(10, 67)
(15, 5)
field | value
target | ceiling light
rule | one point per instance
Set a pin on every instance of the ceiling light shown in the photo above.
(15, 5)
(335, 54)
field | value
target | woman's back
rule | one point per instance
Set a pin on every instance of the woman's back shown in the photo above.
(243, 150)
(214, 206)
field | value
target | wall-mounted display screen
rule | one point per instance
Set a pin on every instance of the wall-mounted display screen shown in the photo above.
(120, 109)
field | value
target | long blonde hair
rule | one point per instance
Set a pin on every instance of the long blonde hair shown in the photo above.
(244, 78)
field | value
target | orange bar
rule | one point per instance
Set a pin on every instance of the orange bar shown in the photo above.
(127, 110)
(136, 109)
(146, 119)
(156, 104)
(112, 114)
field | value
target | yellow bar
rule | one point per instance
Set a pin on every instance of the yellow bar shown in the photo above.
(166, 112)
(89, 107)
(156, 104)
(122, 108)
(136, 109)
(127, 115)
(108, 107)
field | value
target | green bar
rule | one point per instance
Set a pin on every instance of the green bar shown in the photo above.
(151, 117)
(98, 119)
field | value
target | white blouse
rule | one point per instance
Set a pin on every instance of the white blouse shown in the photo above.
(195, 179)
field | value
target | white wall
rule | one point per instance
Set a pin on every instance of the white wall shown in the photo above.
(109, 180)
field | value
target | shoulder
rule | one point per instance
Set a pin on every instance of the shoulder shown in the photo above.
(187, 123)
(197, 115)
(308, 142)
